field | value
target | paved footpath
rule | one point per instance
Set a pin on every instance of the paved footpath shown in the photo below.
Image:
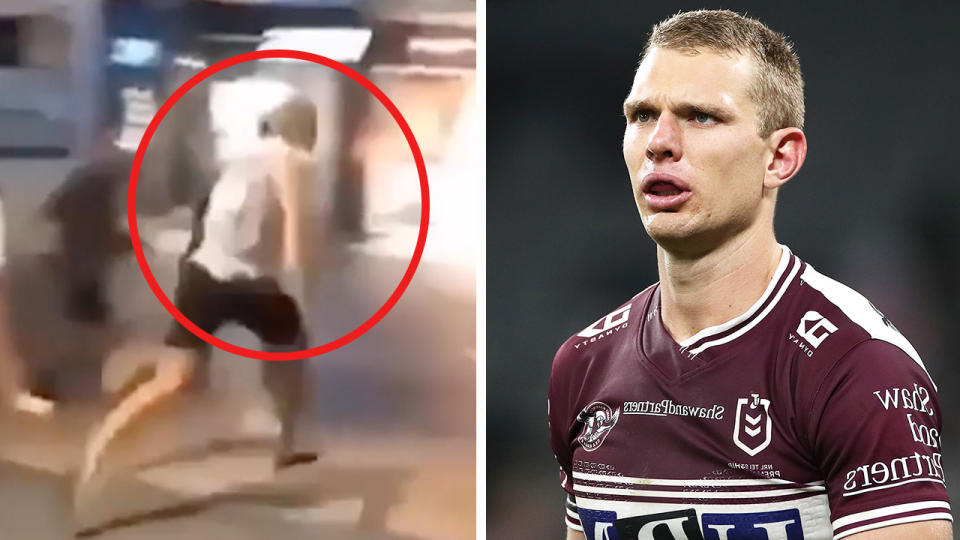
(170, 482)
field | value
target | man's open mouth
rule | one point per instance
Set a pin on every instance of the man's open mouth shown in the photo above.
(665, 192)
(664, 189)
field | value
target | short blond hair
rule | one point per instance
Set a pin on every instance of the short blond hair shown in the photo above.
(295, 121)
(778, 88)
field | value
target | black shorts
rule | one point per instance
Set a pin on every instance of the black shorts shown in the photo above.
(257, 304)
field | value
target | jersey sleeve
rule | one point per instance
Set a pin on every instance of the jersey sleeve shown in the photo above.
(875, 432)
(562, 418)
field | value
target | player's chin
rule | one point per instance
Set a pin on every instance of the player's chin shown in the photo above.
(669, 230)
(666, 224)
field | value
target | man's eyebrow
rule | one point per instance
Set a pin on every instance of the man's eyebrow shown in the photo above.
(717, 111)
(633, 105)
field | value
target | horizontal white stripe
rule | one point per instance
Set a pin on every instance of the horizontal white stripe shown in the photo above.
(574, 526)
(888, 486)
(888, 511)
(712, 330)
(421, 69)
(674, 482)
(573, 514)
(814, 508)
(699, 494)
(911, 519)
(756, 320)
(438, 45)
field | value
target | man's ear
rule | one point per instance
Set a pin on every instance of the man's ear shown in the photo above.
(789, 149)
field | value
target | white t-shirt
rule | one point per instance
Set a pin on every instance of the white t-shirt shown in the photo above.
(243, 223)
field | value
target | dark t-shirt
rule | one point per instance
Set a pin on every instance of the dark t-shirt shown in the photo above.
(809, 416)
(87, 206)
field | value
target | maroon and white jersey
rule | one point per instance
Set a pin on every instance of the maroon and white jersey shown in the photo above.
(807, 417)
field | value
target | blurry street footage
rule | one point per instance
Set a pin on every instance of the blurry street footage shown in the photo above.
(392, 414)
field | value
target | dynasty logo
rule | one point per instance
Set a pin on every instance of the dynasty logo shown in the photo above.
(605, 327)
(815, 328)
(598, 419)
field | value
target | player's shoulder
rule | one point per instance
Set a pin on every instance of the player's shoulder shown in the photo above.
(609, 331)
(831, 322)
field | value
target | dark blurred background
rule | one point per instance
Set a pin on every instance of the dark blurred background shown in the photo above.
(875, 205)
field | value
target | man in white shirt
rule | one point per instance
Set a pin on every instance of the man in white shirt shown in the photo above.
(246, 232)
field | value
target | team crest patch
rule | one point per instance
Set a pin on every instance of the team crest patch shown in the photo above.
(598, 419)
(753, 427)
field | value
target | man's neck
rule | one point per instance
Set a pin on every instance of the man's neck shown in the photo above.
(712, 289)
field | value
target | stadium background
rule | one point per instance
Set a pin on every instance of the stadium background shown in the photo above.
(875, 205)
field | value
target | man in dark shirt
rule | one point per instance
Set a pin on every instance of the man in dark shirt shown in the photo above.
(86, 210)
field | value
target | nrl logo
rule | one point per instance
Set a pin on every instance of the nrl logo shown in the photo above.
(598, 419)
(753, 427)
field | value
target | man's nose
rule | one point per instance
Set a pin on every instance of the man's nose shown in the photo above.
(665, 141)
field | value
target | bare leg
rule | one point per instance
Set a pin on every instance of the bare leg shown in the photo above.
(174, 370)
(13, 387)
(284, 381)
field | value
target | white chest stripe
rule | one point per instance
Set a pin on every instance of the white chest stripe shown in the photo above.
(756, 320)
(713, 330)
